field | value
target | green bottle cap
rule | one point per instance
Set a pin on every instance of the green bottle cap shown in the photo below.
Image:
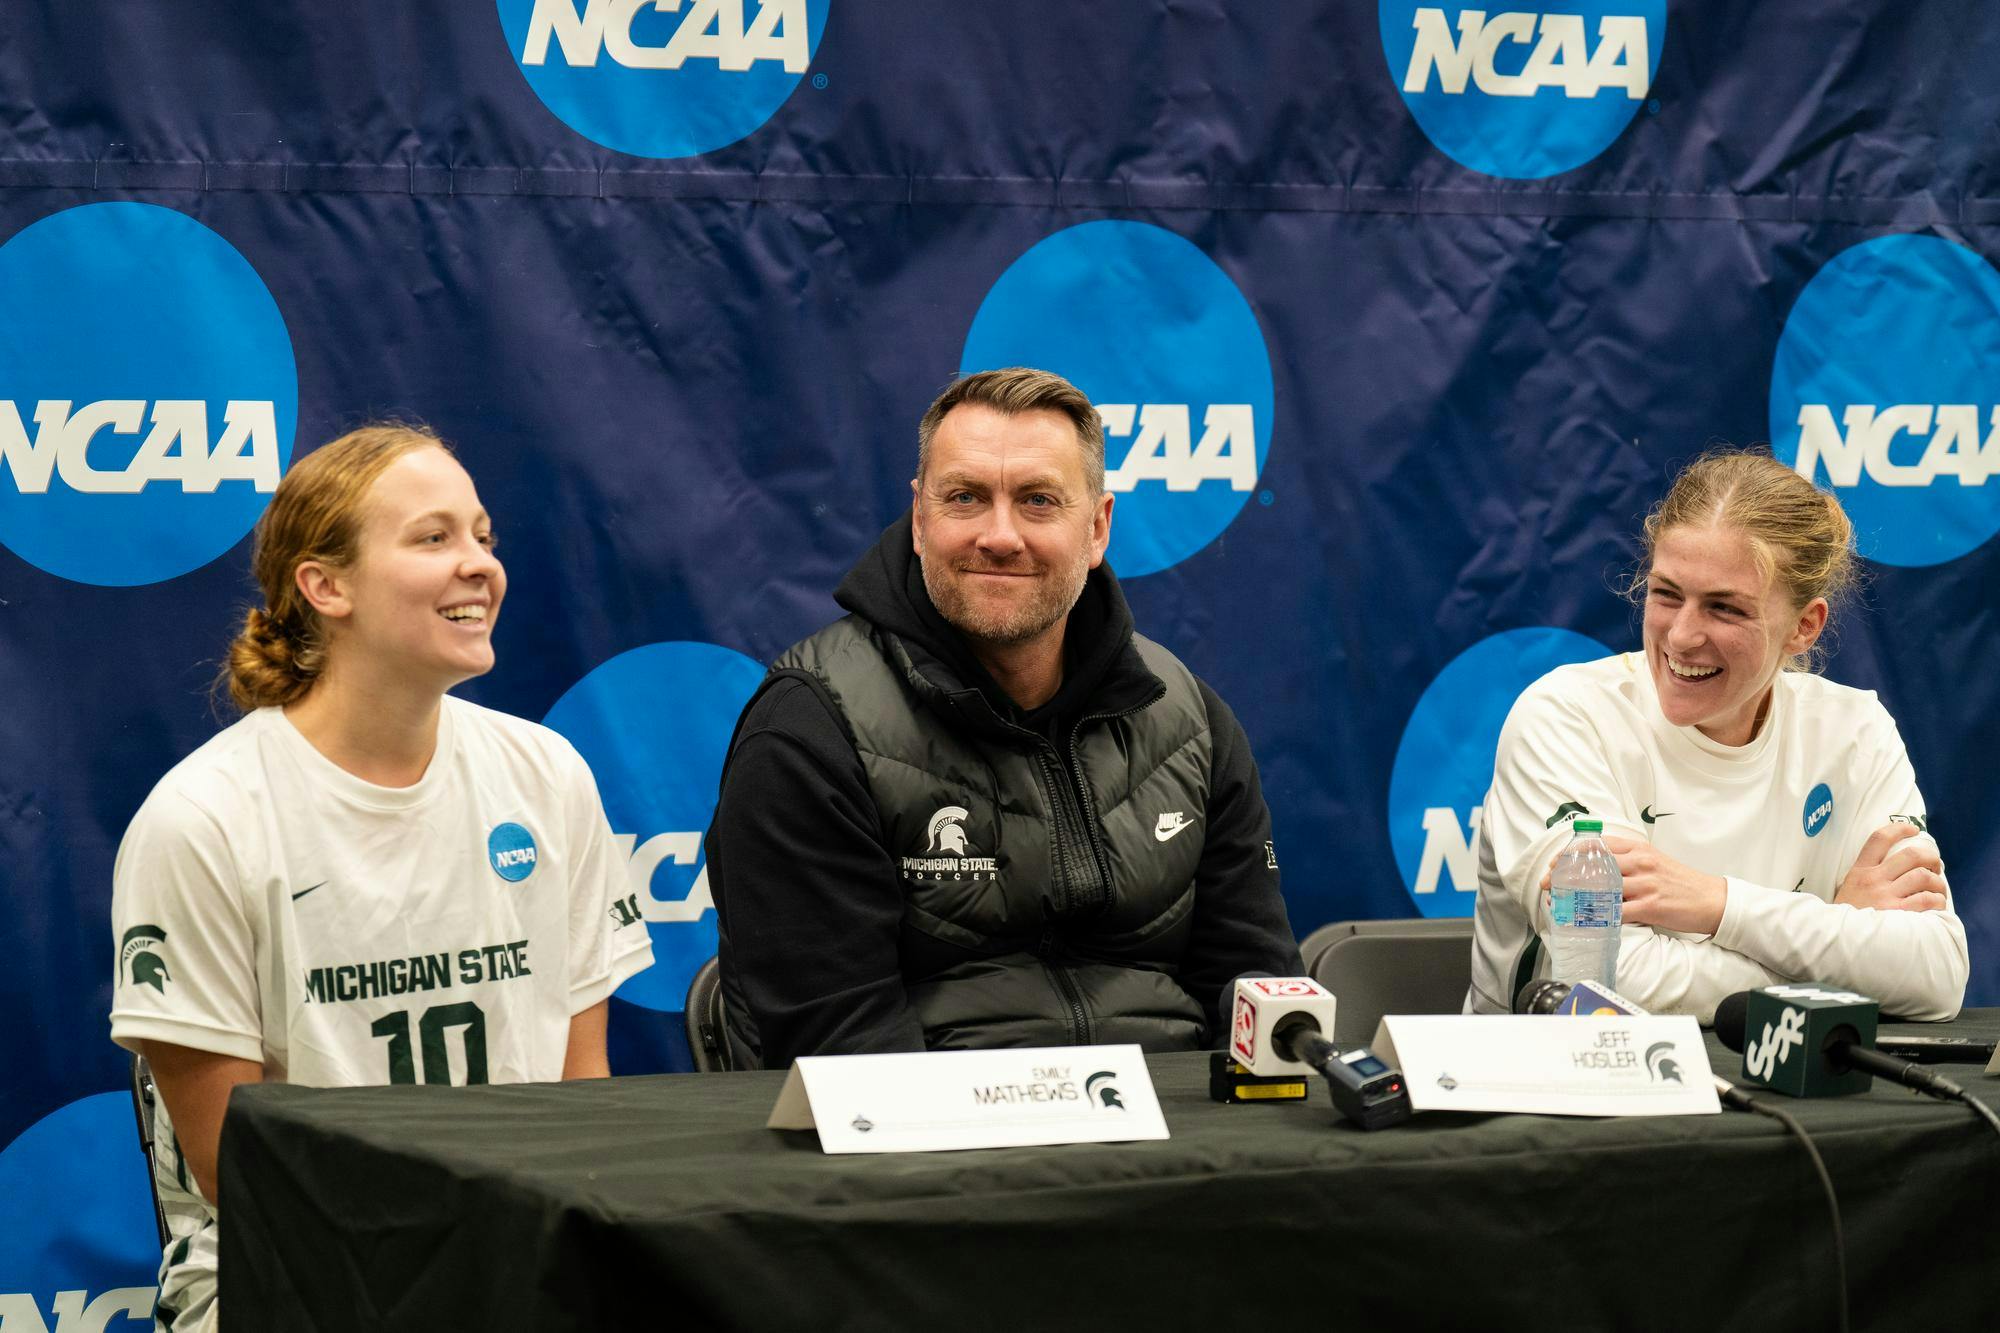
(1588, 826)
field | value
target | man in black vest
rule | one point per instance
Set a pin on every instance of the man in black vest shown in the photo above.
(980, 811)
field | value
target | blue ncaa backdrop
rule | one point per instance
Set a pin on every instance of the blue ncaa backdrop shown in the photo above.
(1400, 315)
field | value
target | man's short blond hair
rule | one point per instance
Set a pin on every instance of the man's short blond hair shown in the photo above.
(1015, 390)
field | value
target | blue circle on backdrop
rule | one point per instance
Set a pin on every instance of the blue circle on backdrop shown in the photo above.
(1445, 760)
(1163, 342)
(78, 1214)
(1818, 814)
(608, 86)
(654, 725)
(139, 305)
(1902, 331)
(1509, 112)
(510, 850)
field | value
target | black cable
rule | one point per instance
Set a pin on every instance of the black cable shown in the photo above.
(1736, 1097)
(1985, 1111)
(1910, 1075)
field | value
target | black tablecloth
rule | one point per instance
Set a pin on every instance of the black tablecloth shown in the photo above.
(663, 1202)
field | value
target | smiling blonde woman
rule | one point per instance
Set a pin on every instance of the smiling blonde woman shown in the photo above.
(1766, 821)
(363, 880)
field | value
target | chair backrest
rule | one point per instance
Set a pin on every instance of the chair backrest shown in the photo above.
(1323, 939)
(707, 1039)
(1420, 966)
(145, 1105)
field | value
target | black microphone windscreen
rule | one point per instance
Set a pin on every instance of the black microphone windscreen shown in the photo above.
(1729, 1020)
(1540, 997)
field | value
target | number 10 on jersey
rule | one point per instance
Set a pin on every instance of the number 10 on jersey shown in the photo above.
(431, 1030)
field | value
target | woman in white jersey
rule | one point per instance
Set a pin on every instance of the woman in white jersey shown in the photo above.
(363, 880)
(1766, 820)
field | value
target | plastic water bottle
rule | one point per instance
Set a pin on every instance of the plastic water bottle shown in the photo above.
(1587, 900)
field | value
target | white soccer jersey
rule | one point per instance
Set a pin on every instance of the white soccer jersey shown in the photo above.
(271, 906)
(1782, 818)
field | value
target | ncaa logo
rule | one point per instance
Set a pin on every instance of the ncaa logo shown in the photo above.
(78, 1249)
(1444, 763)
(1883, 390)
(1523, 93)
(1163, 342)
(510, 850)
(654, 726)
(1818, 813)
(148, 396)
(663, 78)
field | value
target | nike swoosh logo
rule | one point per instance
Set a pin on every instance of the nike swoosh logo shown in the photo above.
(1166, 828)
(303, 892)
(1647, 816)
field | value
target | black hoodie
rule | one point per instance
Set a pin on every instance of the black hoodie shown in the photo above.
(808, 897)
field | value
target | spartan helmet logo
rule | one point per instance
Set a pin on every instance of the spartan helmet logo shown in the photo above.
(139, 950)
(1661, 1063)
(947, 834)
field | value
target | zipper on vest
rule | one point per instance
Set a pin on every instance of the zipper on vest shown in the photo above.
(1092, 831)
(1079, 1019)
(1077, 831)
(1072, 831)
(1093, 840)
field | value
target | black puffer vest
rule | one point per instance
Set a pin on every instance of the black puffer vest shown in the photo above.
(1048, 888)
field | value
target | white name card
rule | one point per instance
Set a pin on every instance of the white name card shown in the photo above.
(936, 1100)
(1612, 1064)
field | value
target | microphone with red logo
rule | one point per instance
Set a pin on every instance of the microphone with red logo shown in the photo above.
(1249, 1069)
(1279, 1033)
(1270, 1017)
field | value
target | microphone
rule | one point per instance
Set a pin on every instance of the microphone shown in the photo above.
(1550, 996)
(1281, 1031)
(1225, 1001)
(1911, 1050)
(1844, 1052)
(1540, 997)
(1835, 1032)
(1298, 1038)
(1263, 1005)
(1363, 1088)
(1251, 1068)
(1587, 997)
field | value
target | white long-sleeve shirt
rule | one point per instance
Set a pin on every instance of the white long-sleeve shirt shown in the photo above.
(1783, 819)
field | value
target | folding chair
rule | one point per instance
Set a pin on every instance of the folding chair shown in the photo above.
(145, 1105)
(708, 1040)
(1418, 966)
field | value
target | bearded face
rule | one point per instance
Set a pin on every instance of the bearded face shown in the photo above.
(1005, 524)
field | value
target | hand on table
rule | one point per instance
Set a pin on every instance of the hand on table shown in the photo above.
(1893, 874)
(1663, 893)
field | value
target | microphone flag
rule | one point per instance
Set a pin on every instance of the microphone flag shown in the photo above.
(1587, 997)
(1261, 1004)
(1785, 1033)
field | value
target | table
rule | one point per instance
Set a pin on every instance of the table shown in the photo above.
(662, 1202)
